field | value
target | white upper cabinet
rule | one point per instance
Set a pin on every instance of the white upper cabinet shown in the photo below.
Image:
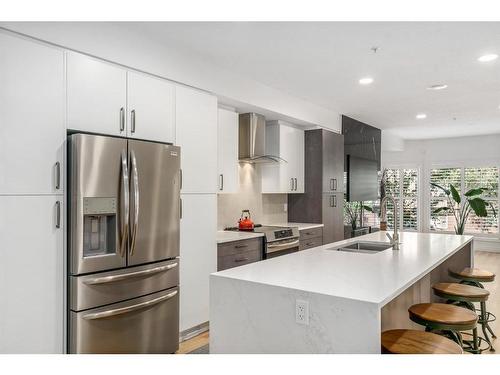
(228, 151)
(31, 275)
(96, 95)
(286, 142)
(32, 132)
(150, 108)
(196, 134)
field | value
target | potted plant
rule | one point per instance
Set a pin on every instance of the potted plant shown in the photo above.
(353, 212)
(462, 209)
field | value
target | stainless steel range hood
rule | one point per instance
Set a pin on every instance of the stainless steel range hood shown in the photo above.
(252, 140)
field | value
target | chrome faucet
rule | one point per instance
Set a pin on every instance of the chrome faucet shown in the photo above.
(383, 208)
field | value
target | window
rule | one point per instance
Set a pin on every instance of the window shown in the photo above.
(464, 179)
(402, 185)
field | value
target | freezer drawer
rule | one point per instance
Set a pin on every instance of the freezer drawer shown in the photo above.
(148, 324)
(104, 288)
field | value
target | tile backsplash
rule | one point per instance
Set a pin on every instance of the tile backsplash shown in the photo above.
(264, 208)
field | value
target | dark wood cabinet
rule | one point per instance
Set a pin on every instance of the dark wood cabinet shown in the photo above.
(238, 253)
(323, 199)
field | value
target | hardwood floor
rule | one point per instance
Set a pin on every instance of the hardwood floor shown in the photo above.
(194, 343)
(484, 260)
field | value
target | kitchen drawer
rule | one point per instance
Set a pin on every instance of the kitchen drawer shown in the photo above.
(311, 233)
(148, 324)
(109, 287)
(238, 247)
(236, 260)
(310, 242)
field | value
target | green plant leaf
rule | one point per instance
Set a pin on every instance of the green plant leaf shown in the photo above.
(446, 191)
(368, 208)
(492, 208)
(479, 207)
(455, 194)
(474, 192)
(438, 210)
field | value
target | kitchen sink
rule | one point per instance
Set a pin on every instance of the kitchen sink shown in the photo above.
(364, 247)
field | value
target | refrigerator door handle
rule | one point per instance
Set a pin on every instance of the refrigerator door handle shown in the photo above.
(130, 275)
(135, 184)
(124, 310)
(126, 201)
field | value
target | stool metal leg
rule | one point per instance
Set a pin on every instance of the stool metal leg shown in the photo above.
(484, 325)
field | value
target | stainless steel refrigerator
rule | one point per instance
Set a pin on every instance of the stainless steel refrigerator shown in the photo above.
(123, 245)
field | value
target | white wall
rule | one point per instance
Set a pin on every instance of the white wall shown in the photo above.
(124, 43)
(452, 152)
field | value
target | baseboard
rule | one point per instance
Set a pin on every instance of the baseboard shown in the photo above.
(194, 331)
(489, 245)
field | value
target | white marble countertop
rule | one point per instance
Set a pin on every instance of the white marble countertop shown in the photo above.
(375, 278)
(301, 226)
(224, 236)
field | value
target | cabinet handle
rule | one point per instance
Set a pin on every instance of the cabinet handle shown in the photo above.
(331, 183)
(132, 121)
(309, 243)
(58, 175)
(180, 208)
(296, 183)
(240, 260)
(334, 201)
(221, 182)
(291, 182)
(180, 177)
(335, 184)
(240, 246)
(122, 119)
(331, 201)
(58, 214)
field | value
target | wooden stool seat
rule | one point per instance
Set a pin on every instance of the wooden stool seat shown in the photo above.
(409, 341)
(443, 316)
(460, 292)
(472, 274)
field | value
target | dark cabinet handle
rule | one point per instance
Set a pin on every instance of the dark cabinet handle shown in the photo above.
(240, 260)
(240, 246)
(58, 214)
(58, 175)
(122, 119)
(334, 201)
(221, 182)
(335, 184)
(180, 178)
(309, 243)
(291, 184)
(180, 208)
(132, 121)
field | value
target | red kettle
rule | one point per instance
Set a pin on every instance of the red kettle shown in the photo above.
(245, 223)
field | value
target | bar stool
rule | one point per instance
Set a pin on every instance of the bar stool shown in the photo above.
(465, 295)
(449, 319)
(476, 277)
(409, 341)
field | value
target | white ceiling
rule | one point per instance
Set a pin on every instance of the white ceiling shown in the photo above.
(322, 63)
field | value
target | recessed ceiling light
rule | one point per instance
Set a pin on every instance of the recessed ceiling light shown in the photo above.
(421, 116)
(439, 86)
(366, 81)
(488, 57)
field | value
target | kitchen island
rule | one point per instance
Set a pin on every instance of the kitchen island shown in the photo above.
(351, 297)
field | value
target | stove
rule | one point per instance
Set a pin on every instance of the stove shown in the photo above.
(277, 240)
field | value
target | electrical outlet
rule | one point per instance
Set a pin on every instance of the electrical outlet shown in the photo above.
(285, 207)
(302, 312)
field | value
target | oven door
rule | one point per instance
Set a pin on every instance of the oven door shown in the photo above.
(277, 248)
(148, 324)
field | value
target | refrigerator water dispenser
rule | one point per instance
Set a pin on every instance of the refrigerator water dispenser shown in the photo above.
(99, 226)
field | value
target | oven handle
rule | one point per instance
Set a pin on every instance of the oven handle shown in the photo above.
(124, 310)
(115, 278)
(282, 246)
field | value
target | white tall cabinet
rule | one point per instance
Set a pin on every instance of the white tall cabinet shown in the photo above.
(196, 134)
(32, 138)
(287, 142)
(227, 146)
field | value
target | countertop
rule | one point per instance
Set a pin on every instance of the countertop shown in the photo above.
(224, 236)
(301, 226)
(375, 278)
